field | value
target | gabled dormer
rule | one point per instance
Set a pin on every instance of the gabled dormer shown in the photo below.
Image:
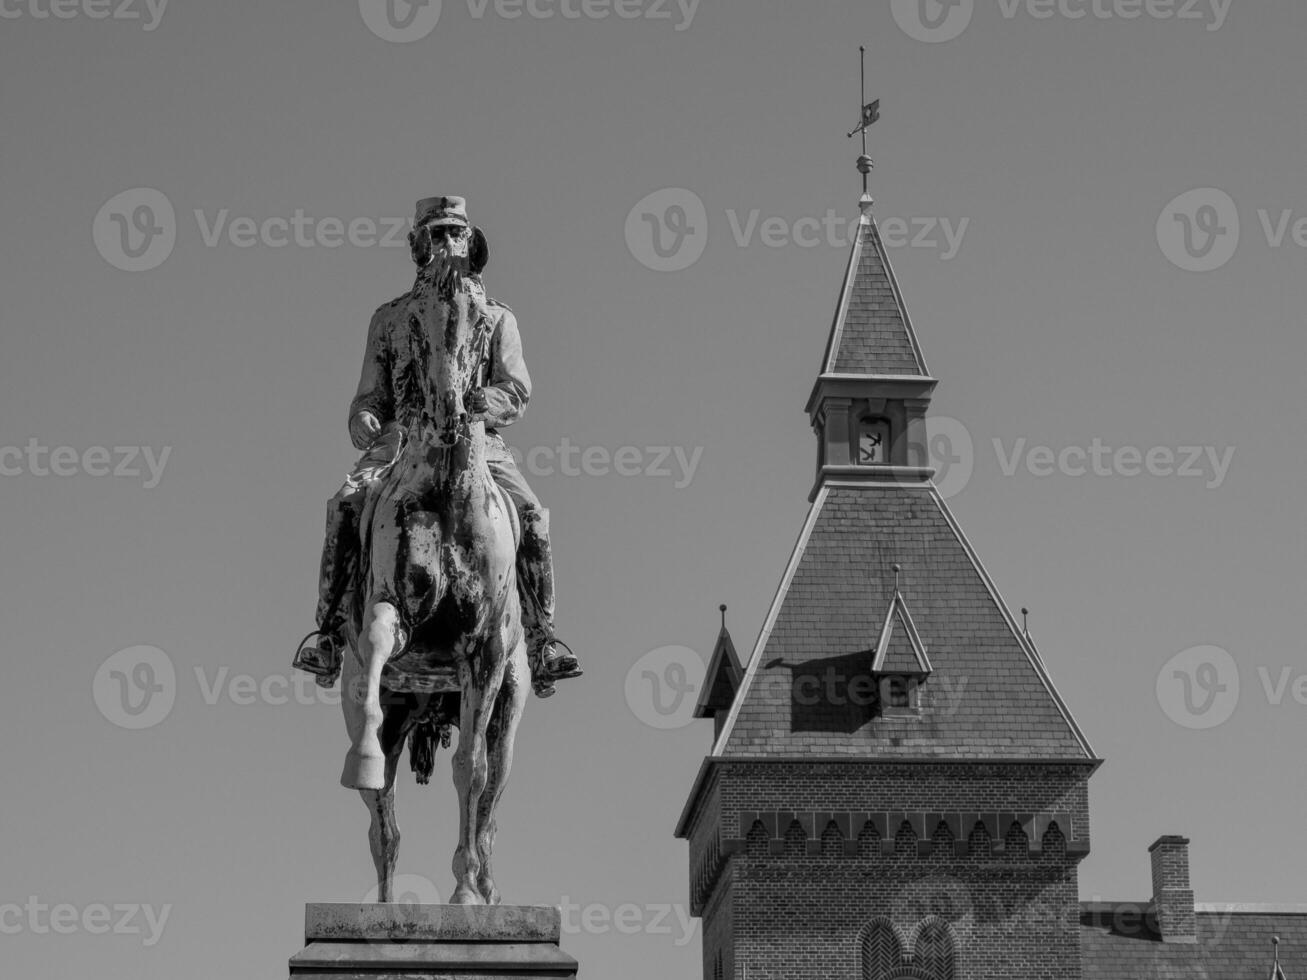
(899, 664)
(722, 680)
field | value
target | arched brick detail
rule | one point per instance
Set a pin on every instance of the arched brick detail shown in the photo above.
(869, 840)
(979, 844)
(1016, 845)
(942, 842)
(933, 948)
(1054, 843)
(755, 844)
(832, 841)
(882, 950)
(905, 840)
(796, 840)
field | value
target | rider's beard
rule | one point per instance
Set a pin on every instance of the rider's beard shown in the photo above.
(435, 259)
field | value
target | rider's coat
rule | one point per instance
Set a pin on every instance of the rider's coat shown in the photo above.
(507, 388)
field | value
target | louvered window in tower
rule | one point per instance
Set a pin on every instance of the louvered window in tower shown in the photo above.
(873, 441)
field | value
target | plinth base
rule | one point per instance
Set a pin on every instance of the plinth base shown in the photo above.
(431, 942)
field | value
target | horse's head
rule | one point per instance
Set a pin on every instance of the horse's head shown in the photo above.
(450, 304)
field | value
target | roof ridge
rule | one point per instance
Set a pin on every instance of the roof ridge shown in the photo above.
(1035, 660)
(846, 294)
(898, 298)
(778, 600)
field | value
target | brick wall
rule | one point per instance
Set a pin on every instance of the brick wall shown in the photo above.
(835, 846)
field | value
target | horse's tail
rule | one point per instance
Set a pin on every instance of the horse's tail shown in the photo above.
(422, 746)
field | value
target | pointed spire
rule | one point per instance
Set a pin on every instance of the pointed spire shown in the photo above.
(879, 338)
(872, 333)
(868, 404)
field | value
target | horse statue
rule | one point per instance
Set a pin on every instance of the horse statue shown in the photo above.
(433, 630)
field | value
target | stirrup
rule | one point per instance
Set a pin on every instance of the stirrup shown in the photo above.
(563, 675)
(321, 659)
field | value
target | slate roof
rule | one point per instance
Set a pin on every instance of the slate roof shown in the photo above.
(872, 333)
(988, 698)
(1234, 943)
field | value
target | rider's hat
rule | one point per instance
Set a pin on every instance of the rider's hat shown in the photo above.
(442, 211)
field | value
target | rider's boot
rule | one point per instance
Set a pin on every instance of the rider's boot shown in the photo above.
(339, 559)
(535, 576)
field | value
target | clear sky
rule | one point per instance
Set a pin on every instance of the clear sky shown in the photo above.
(1054, 145)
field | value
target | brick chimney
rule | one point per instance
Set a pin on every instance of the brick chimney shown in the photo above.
(1173, 899)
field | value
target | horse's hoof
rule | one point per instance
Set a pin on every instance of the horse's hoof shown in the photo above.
(464, 895)
(363, 771)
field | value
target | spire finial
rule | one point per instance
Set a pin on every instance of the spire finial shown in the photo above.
(1025, 621)
(870, 113)
(897, 568)
(722, 608)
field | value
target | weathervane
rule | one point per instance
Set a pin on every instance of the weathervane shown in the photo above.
(870, 114)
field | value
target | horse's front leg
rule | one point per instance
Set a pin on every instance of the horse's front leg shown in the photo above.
(470, 769)
(365, 763)
(501, 736)
(383, 834)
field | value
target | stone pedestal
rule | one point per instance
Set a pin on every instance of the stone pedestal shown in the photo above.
(431, 942)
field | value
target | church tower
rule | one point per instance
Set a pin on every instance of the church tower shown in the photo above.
(896, 788)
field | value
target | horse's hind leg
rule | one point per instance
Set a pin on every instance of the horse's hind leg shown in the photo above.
(365, 763)
(383, 835)
(499, 749)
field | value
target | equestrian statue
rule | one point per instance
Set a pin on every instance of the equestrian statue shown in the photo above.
(436, 592)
